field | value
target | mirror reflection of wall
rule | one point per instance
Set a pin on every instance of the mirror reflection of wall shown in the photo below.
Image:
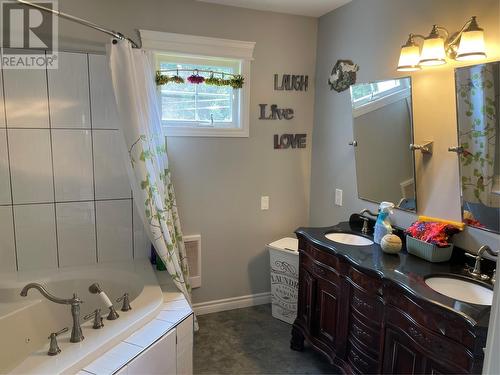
(478, 108)
(382, 128)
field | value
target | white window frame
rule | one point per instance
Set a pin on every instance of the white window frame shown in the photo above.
(199, 46)
(390, 96)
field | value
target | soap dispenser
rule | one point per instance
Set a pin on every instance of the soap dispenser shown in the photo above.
(383, 225)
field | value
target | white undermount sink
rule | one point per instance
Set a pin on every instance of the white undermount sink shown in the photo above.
(462, 290)
(349, 239)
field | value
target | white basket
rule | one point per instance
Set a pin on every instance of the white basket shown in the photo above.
(428, 251)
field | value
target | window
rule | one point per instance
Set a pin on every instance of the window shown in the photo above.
(199, 109)
(365, 93)
(190, 105)
(372, 96)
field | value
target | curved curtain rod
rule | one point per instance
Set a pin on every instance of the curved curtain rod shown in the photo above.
(196, 71)
(81, 21)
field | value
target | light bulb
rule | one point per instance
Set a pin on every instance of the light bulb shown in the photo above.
(409, 57)
(472, 46)
(433, 52)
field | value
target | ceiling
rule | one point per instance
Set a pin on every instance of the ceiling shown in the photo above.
(312, 8)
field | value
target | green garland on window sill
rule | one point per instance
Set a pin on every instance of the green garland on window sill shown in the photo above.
(236, 81)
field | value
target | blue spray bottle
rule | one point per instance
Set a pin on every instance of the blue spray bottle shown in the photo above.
(383, 224)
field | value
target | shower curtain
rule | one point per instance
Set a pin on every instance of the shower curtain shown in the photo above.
(145, 151)
(477, 132)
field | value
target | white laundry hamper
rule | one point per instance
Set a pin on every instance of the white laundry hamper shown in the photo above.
(284, 258)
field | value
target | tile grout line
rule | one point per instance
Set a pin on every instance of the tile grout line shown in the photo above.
(10, 171)
(62, 202)
(133, 232)
(93, 160)
(55, 128)
(52, 163)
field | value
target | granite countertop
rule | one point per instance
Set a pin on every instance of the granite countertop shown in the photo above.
(405, 269)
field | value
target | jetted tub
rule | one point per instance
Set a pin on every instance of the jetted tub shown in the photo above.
(26, 322)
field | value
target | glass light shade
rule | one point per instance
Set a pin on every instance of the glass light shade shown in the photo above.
(433, 52)
(409, 58)
(472, 46)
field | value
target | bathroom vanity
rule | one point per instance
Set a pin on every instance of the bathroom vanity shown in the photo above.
(370, 312)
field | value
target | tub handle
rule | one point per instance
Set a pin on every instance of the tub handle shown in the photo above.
(126, 302)
(53, 347)
(96, 314)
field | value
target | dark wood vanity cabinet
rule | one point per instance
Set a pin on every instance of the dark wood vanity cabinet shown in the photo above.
(368, 325)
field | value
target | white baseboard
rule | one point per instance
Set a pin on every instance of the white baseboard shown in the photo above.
(231, 303)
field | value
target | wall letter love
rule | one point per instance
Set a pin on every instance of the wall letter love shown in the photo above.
(289, 140)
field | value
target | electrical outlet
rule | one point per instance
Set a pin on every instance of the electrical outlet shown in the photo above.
(338, 197)
(264, 203)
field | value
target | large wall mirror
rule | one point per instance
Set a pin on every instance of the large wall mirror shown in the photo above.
(383, 131)
(478, 108)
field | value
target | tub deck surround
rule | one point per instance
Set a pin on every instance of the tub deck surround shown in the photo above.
(174, 310)
(371, 312)
(26, 328)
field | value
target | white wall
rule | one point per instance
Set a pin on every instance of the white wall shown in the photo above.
(65, 199)
(371, 32)
(219, 181)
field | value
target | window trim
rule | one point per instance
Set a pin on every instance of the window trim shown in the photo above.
(204, 47)
(383, 101)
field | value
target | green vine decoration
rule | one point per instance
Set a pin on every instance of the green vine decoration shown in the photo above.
(162, 79)
(236, 81)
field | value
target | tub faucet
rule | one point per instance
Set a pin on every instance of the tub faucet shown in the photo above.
(76, 332)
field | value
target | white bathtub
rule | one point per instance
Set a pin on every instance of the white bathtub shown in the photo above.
(26, 322)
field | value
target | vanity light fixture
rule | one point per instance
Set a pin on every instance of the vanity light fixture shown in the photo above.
(464, 45)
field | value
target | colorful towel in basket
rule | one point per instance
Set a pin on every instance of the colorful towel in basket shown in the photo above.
(436, 233)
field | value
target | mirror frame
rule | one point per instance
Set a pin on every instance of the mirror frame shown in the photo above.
(458, 143)
(412, 140)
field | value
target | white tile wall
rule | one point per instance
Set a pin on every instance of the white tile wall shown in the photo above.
(76, 233)
(31, 165)
(114, 230)
(71, 201)
(7, 245)
(69, 92)
(35, 228)
(5, 197)
(111, 180)
(142, 246)
(104, 116)
(72, 150)
(26, 103)
(2, 106)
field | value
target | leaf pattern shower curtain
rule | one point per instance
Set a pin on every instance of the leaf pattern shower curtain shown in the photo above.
(145, 151)
(477, 132)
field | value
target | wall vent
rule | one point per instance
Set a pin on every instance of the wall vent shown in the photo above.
(193, 251)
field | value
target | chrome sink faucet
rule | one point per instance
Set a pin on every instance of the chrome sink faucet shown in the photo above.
(362, 216)
(476, 271)
(76, 332)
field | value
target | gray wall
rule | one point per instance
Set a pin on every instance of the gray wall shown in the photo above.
(370, 32)
(219, 181)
